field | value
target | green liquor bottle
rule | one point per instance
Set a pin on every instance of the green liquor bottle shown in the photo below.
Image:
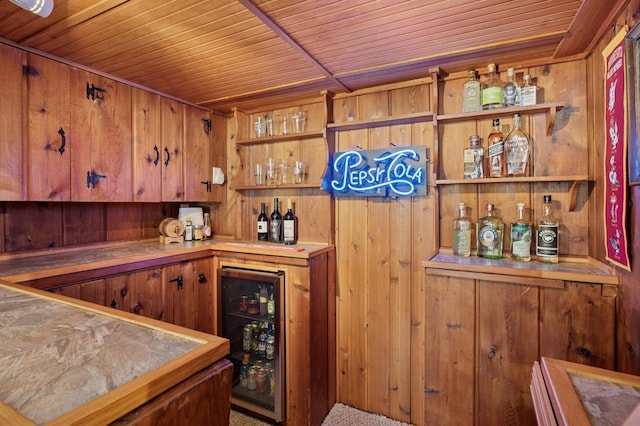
(489, 231)
(462, 232)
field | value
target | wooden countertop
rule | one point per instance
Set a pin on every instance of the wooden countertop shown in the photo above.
(24, 267)
(67, 362)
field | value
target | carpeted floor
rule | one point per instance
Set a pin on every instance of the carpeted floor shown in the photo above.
(340, 415)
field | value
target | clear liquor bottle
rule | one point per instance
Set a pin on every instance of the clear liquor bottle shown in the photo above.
(511, 92)
(547, 234)
(528, 92)
(492, 89)
(516, 149)
(521, 236)
(489, 232)
(462, 232)
(471, 93)
(496, 166)
(473, 158)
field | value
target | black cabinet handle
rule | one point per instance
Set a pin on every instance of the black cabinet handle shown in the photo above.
(166, 163)
(94, 92)
(179, 282)
(208, 183)
(63, 141)
(155, 162)
(207, 125)
(114, 304)
(123, 292)
(92, 179)
(202, 278)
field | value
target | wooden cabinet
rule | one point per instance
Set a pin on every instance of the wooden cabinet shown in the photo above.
(172, 151)
(91, 291)
(490, 333)
(13, 103)
(309, 329)
(50, 142)
(139, 292)
(189, 294)
(197, 155)
(101, 167)
(147, 162)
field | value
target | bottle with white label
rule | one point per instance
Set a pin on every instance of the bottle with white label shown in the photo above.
(521, 236)
(527, 92)
(547, 234)
(489, 230)
(462, 232)
(188, 230)
(290, 226)
(263, 224)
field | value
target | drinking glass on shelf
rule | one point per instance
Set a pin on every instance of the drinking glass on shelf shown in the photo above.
(299, 172)
(268, 120)
(259, 174)
(284, 123)
(285, 172)
(299, 119)
(271, 171)
(260, 126)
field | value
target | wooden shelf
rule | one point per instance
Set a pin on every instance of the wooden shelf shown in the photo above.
(528, 273)
(549, 108)
(267, 187)
(380, 122)
(282, 138)
(521, 179)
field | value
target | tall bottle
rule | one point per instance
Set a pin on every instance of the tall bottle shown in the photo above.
(276, 223)
(492, 89)
(489, 231)
(471, 93)
(547, 234)
(527, 92)
(462, 232)
(496, 166)
(473, 158)
(207, 231)
(263, 224)
(516, 149)
(521, 236)
(510, 90)
(290, 225)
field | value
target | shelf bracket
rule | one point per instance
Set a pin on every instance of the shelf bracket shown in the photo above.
(551, 119)
(573, 195)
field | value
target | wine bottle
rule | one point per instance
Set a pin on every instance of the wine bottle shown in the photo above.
(290, 225)
(263, 224)
(276, 223)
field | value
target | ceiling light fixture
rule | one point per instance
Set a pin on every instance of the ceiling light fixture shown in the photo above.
(39, 7)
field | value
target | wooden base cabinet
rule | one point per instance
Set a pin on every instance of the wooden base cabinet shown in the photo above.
(482, 337)
(309, 330)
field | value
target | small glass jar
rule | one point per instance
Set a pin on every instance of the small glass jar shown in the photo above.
(244, 303)
(253, 305)
(198, 233)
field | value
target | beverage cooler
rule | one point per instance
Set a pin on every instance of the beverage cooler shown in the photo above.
(251, 316)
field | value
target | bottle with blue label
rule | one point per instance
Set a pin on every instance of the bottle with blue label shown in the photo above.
(489, 232)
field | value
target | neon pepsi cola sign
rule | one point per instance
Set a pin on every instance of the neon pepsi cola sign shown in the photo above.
(394, 172)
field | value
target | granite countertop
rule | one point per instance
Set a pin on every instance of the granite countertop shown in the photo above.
(24, 267)
(58, 356)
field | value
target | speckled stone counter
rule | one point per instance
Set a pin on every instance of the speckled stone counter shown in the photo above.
(58, 356)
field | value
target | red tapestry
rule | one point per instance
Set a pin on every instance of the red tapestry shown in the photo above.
(616, 153)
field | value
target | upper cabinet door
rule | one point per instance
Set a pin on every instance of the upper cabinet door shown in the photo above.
(172, 151)
(147, 148)
(49, 140)
(12, 107)
(197, 161)
(101, 165)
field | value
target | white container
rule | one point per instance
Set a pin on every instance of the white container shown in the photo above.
(195, 213)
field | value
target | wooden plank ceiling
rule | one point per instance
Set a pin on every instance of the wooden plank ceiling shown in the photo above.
(226, 53)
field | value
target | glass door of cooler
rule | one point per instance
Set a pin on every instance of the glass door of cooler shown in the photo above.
(251, 316)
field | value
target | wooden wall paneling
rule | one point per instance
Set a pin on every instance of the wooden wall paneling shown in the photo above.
(49, 162)
(151, 216)
(321, 351)
(83, 223)
(13, 104)
(577, 324)
(3, 232)
(32, 226)
(218, 155)
(148, 293)
(172, 150)
(124, 221)
(424, 219)
(120, 292)
(380, 242)
(147, 150)
(345, 109)
(351, 250)
(90, 291)
(449, 362)
(507, 345)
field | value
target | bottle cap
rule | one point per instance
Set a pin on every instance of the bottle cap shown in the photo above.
(475, 140)
(489, 207)
(496, 122)
(462, 206)
(491, 67)
(547, 198)
(520, 205)
(510, 72)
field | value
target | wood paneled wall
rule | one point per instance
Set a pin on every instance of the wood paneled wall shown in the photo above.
(628, 309)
